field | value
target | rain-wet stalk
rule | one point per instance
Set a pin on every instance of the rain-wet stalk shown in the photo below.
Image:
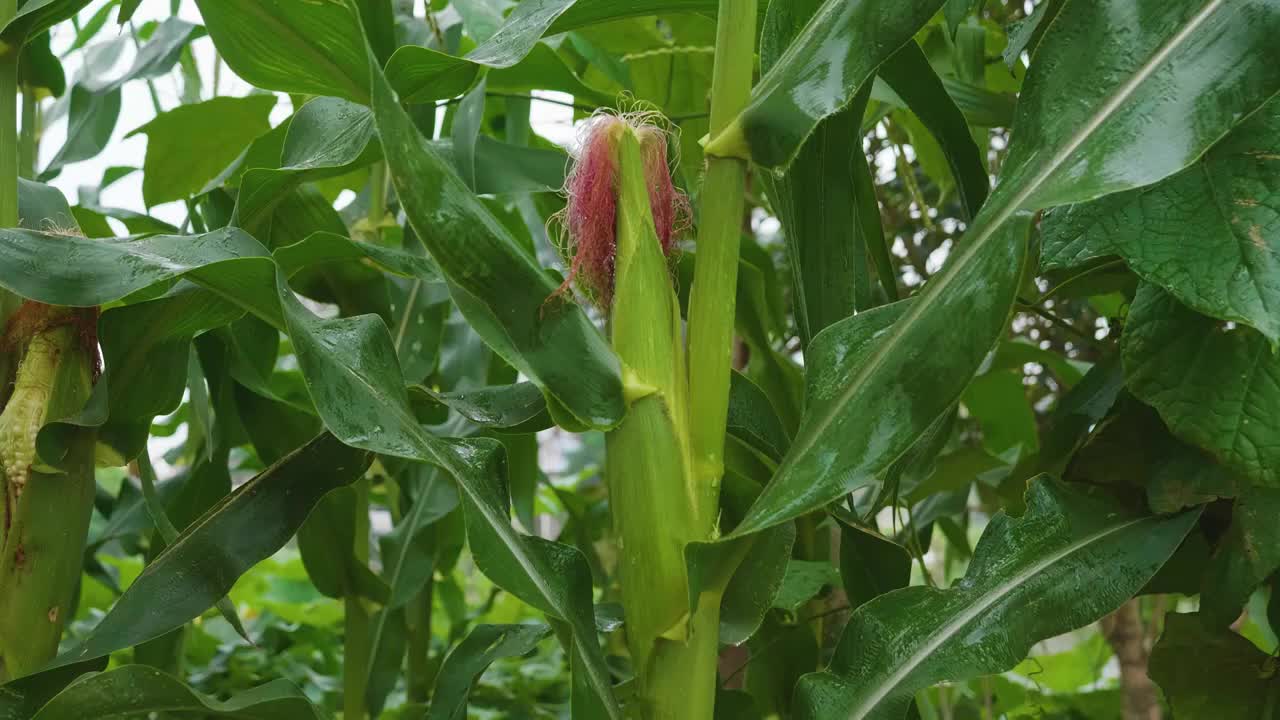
(664, 462)
(8, 122)
(711, 298)
(47, 509)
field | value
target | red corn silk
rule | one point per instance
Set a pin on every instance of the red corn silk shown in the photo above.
(591, 213)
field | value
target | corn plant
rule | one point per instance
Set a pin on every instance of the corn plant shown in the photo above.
(835, 359)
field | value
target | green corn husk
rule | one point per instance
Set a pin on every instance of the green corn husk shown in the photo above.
(656, 509)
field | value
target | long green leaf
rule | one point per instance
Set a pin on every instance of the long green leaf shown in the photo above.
(472, 656)
(1212, 674)
(819, 74)
(1247, 555)
(62, 269)
(498, 286)
(327, 137)
(828, 212)
(291, 45)
(1070, 560)
(1214, 389)
(141, 690)
(909, 74)
(202, 564)
(421, 74)
(169, 533)
(36, 16)
(1228, 201)
(592, 12)
(353, 377)
(189, 145)
(909, 371)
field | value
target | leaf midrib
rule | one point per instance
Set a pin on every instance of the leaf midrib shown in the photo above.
(985, 602)
(1006, 210)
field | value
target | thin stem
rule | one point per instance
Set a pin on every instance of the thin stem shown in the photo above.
(193, 219)
(217, 74)
(29, 141)
(151, 86)
(1054, 319)
(356, 643)
(435, 26)
(418, 612)
(8, 123)
(377, 200)
(711, 300)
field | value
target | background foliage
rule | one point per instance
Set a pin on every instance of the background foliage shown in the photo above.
(1008, 453)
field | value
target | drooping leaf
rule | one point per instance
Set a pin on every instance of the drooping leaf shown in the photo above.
(820, 73)
(518, 408)
(169, 533)
(1070, 560)
(825, 199)
(466, 128)
(189, 145)
(1228, 200)
(43, 207)
(198, 568)
(420, 74)
(747, 575)
(1212, 673)
(326, 137)
(40, 70)
(1025, 35)
(145, 347)
(1246, 556)
(752, 419)
(434, 498)
(957, 11)
(871, 565)
(898, 382)
(353, 377)
(803, 581)
(591, 12)
(142, 690)
(1214, 389)
(36, 16)
(327, 542)
(294, 46)
(471, 657)
(61, 269)
(908, 72)
(496, 284)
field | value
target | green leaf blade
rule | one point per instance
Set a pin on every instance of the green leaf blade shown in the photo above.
(498, 286)
(1228, 200)
(139, 690)
(1067, 562)
(822, 69)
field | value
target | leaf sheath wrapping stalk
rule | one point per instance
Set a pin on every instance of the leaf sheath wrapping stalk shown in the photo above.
(44, 546)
